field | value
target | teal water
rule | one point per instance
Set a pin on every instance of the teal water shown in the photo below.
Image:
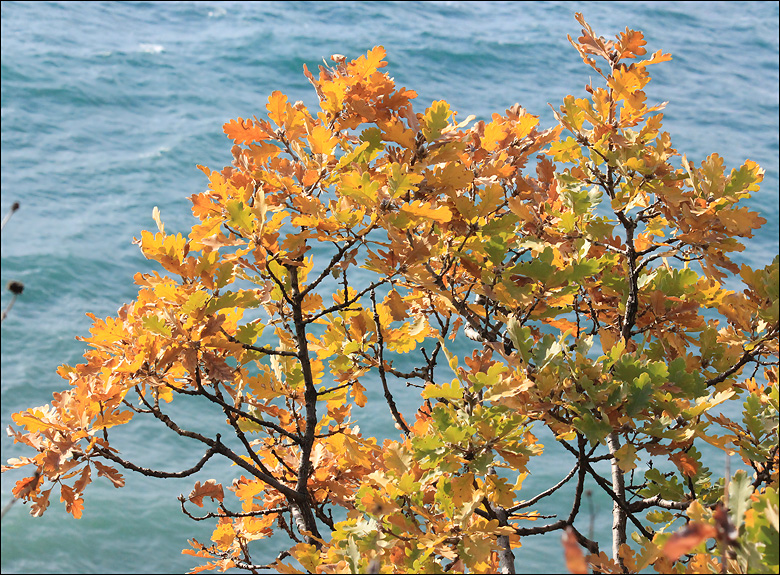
(108, 107)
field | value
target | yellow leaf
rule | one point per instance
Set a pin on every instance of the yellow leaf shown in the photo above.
(368, 64)
(626, 457)
(156, 216)
(322, 140)
(420, 210)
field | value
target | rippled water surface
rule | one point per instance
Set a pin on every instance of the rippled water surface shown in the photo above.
(108, 107)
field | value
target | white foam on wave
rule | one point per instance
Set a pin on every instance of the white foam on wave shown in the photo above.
(151, 48)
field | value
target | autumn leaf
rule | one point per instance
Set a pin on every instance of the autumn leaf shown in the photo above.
(688, 465)
(687, 539)
(572, 553)
(245, 131)
(277, 108)
(110, 473)
(420, 210)
(435, 120)
(209, 488)
(631, 44)
(322, 140)
(369, 63)
(73, 503)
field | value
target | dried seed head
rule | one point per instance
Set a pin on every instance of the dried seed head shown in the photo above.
(15, 287)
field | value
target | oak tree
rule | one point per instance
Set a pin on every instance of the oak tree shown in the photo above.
(348, 247)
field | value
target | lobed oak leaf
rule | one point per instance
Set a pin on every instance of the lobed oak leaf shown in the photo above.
(209, 488)
(109, 472)
(631, 44)
(395, 131)
(277, 108)
(27, 486)
(322, 140)
(110, 418)
(40, 503)
(398, 308)
(368, 64)
(73, 503)
(37, 419)
(15, 462)
(419, 210)
(244, 132)
(435, 120)
(656, 58)
(358, 391)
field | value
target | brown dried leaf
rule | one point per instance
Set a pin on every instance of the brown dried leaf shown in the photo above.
(208, 489)
(687, 539)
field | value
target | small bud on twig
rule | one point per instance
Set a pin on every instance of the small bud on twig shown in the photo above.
(14, 207)
(15, 288)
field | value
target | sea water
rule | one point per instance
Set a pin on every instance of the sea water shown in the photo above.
(108, 107)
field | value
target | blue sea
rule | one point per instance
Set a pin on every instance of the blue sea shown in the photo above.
(108, 107)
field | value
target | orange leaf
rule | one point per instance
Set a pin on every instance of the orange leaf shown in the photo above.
(244, 131)
(208, 489)
(277, 108)
(368, 64)
(631, 44)
(687, 539)
(420, 210)
(358, 392)
(40, 503)
(685, 463)
(572, 553)
(73, 503)
(24, 487)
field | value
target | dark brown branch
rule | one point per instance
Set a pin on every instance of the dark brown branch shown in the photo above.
(746, 358)
(103, 452)
(608, 489)
(544, 494)
(265, 350)
(222, 449)
(382, 375)
(301, 506)
(226, 513)
(236, 411)
(333, 261)
(348, 302)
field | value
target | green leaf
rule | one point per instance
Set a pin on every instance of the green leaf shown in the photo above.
(373, 137)
(250, 332)
(521, 337)
(435, 120)
(450, 390)
(195, 301)
(595, 429)
(240, 215)
(740, 490)
(156, 324)
(242, 299)
(402, 181)
(224, 274)
(639, 393)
